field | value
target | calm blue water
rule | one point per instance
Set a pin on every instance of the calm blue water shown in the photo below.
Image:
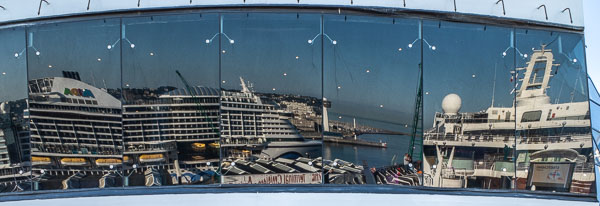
(375, 157)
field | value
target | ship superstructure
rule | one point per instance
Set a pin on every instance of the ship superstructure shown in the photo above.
(480, 149)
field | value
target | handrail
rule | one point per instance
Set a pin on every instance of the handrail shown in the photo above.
(570, 16)
(88, 6)
(503, 10)
(454, 5)
(545, 12)
(40, 7)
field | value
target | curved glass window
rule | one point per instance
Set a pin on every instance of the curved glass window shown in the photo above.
(276, 97)
(74, 106)
(271, 99)
(371, 78)
(469, 112)
(555, 152)
(171, 99)
(14, 131)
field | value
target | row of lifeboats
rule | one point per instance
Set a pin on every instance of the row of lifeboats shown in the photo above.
(79, 161)
(202, 146)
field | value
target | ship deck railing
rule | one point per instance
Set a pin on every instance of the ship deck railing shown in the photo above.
(524, 139)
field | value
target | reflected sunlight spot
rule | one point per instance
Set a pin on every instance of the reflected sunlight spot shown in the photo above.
(49, 66)
(381, 106)
(132, 46)
(574, 60)
(16, 55)
(473, 76)
(151, 53)
(426, 92)
(224, 81)
(109, 46)
(368, 71)
(409, 45)
(339, 87)
(274, 89)
(223, 51)
(334, 42)
(399, 49)
(37, 53)
(99, 59)
(284, 74)
(297, 57)
(339, 117)
(3, 73)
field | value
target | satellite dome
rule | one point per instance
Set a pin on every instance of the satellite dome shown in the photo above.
(451, 104)
(4, 108)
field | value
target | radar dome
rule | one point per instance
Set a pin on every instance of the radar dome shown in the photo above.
(3, 108)
(451, 104)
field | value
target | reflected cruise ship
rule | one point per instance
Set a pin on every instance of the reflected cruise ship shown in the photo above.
(252, 127)
(477, 149)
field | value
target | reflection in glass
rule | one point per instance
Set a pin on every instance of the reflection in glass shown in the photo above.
(171, 100)
(271, 99)
(469, 103)
(554, 148)
(15, 167)
(371, 76)
(74, 107)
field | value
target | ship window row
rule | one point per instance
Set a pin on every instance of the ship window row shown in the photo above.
(70, 129)
(245, 106)
(75, 108)
(74, 116)
(198, 113)
(169, 132)
(200, 108)
(79, 101)
(79, 123)
(168, 121)
(64, 135)
(74, 149)
(169, 126)
(190, 100)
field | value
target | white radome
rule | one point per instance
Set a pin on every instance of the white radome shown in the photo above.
(451, 104)
(3, 108)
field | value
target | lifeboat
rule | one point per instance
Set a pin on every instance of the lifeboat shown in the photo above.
(73, 161)
(108, 162)
(198, 157)
(40, 160)
(126, 159)
(215, 145)
(198, 146)
(152, 158)
(246, 152)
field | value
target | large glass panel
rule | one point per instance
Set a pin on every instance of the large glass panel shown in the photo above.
(553, 119)
(171, 99)
(595, 114)
(271, 99)
(594, 95)
(371, 77)
(469, 112)
(14, 133)
(74, 106)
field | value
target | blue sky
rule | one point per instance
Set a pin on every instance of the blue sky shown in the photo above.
(592, 38)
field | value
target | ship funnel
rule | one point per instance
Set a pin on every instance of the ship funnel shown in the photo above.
(451, 104)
